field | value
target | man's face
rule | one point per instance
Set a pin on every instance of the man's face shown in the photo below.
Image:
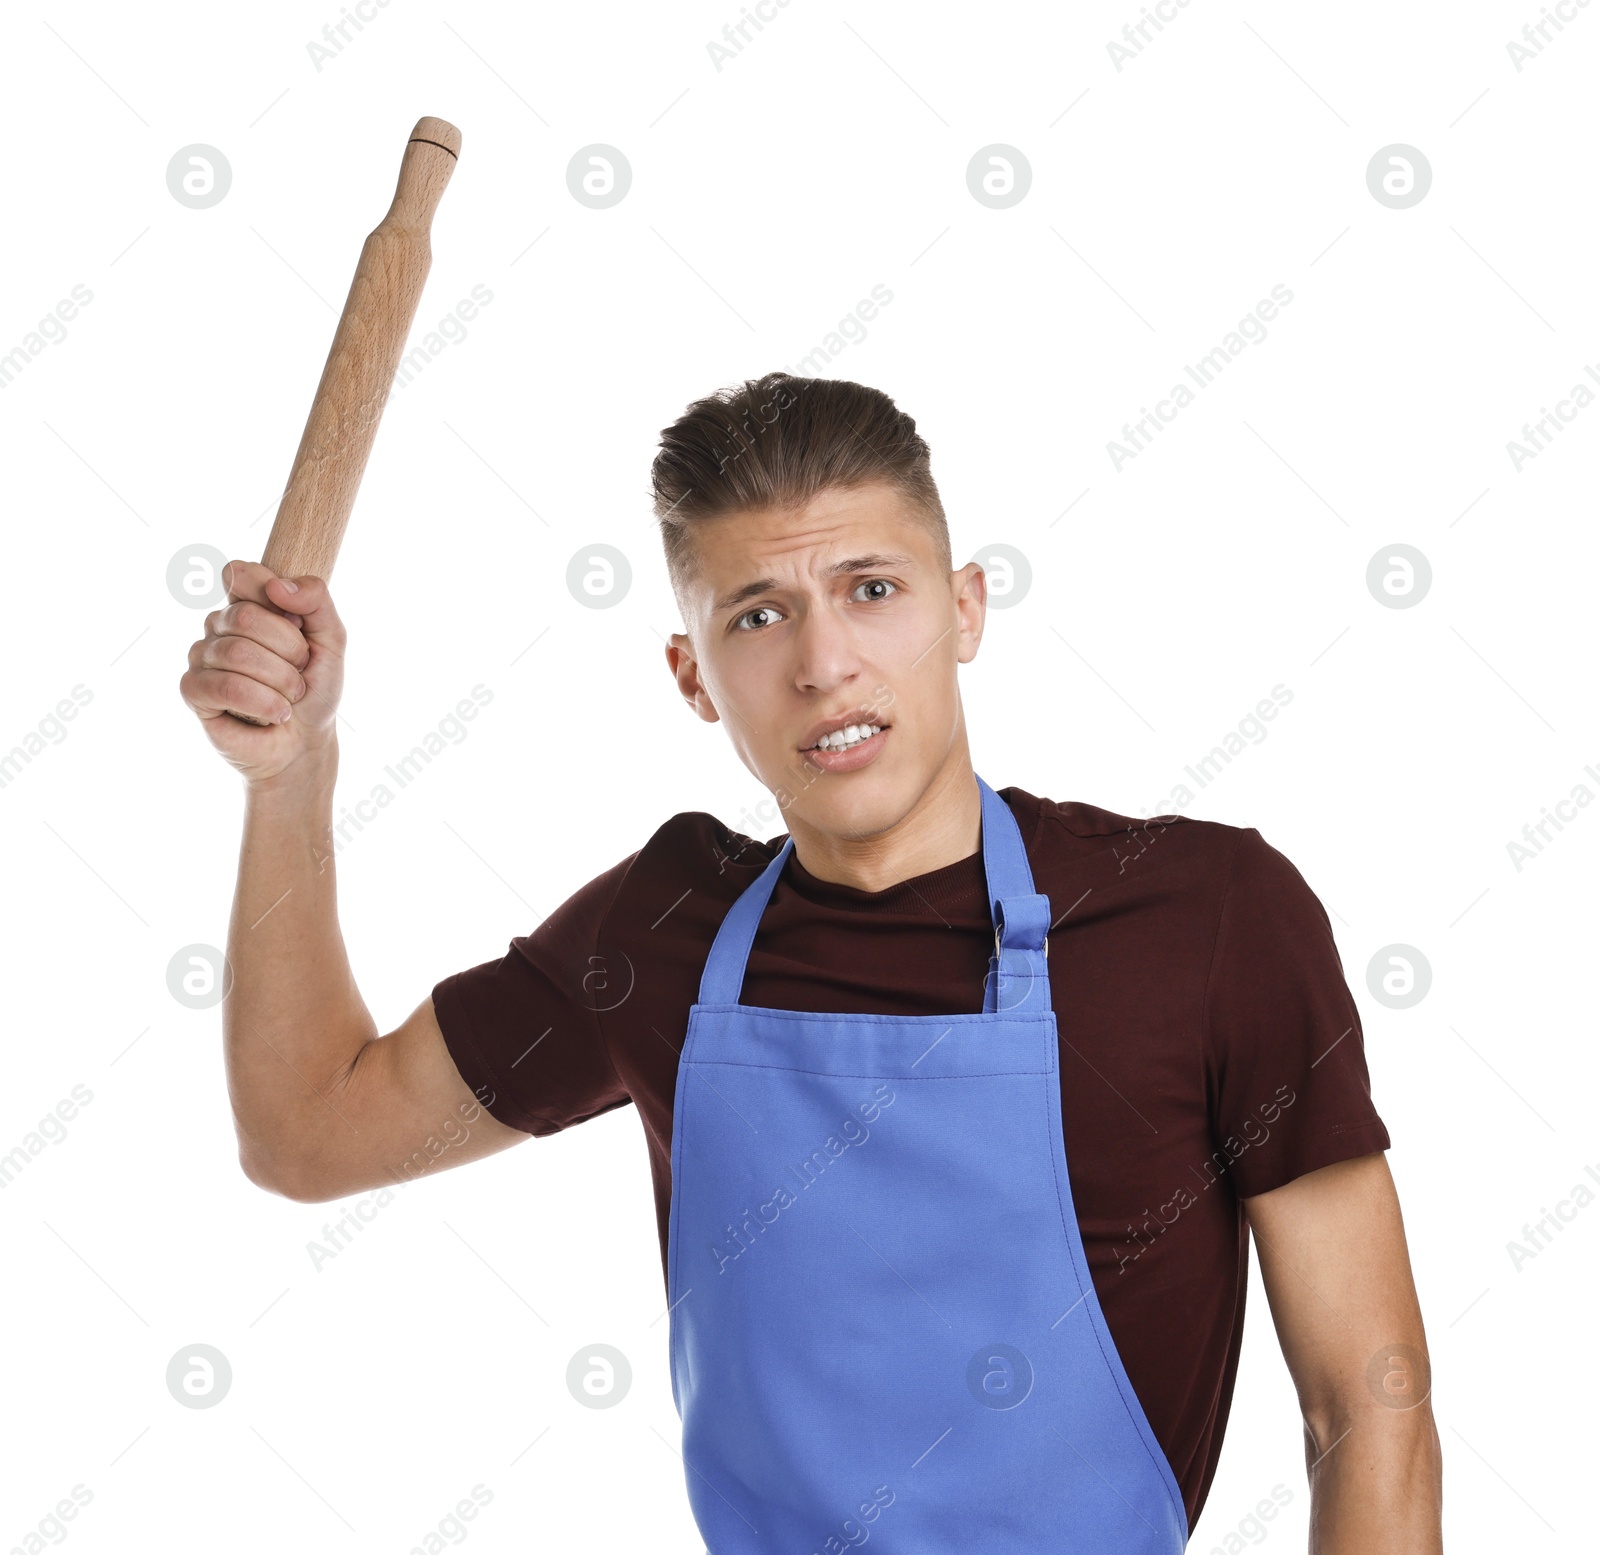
(841, 613)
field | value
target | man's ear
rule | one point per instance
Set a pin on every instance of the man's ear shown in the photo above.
(686, 672)
(970, 590)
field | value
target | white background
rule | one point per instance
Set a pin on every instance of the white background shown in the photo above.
(1168, 598)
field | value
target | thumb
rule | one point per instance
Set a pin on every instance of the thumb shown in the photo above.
(306, 601)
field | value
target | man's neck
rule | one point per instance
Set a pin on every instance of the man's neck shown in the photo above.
(943, 827)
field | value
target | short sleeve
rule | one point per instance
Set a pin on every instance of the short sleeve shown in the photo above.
(1288, 1072)
(522, 1030)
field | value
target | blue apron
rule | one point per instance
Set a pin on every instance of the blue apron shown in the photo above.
(883, 1325)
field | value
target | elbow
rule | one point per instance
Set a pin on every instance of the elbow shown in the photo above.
(276, 1177)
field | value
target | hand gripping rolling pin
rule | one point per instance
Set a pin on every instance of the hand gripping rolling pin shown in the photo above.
(361, 364)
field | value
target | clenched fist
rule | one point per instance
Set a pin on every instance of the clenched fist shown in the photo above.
(275, 652)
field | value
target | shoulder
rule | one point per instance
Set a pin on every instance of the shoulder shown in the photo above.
(684, 878)
(662, 901)
(697, 845)
(1063, 830)
(1162, 862)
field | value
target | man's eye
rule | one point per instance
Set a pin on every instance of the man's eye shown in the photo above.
(743, 623)
(877, 583)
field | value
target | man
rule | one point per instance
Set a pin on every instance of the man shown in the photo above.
(958, 1100)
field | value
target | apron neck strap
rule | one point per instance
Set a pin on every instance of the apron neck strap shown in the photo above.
(1020, 915)
(1018, 980)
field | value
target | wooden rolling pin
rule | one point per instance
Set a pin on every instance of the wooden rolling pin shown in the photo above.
(361, 364)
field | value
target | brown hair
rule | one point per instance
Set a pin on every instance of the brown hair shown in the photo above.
(775, 442)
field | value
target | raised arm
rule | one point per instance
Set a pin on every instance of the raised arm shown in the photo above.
(323, 1104)
(1338, 1277)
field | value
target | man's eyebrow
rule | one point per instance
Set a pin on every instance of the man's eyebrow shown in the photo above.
(872, 562)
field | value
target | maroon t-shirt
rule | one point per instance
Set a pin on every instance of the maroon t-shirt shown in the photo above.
(1210, 1048)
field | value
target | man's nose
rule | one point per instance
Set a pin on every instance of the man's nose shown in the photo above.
(825, 649)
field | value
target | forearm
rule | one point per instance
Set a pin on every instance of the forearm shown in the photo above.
(294, 1020)
(1376, 1483)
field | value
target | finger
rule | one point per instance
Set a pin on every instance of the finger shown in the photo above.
(248, 580)
(213, 692)
(244, 656)
(263, 625)
(308, 597)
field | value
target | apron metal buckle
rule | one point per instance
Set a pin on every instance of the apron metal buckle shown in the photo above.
(997, 945)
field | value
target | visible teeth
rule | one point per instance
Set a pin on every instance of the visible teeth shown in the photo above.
(851, 734)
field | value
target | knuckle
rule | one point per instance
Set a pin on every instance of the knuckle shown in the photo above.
(239, 653)
(251, 695)
(223, 653)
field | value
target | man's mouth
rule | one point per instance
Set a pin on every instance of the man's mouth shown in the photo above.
(847, 747)
(843, 739)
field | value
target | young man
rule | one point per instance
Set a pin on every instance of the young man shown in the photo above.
(958, 1100)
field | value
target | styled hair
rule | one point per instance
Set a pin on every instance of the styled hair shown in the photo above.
(775, 442)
